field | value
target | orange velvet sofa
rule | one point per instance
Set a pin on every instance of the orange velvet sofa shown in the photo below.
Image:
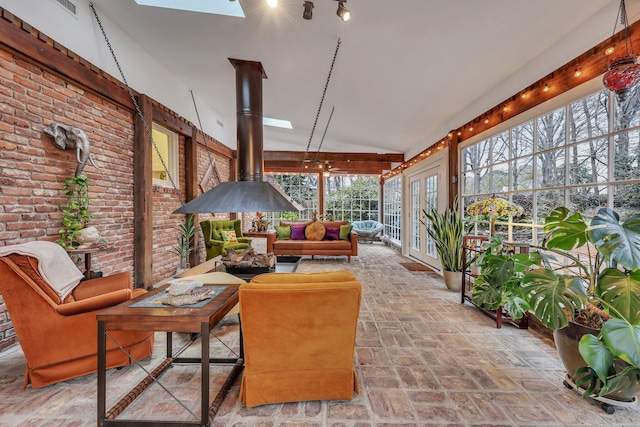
(299, 333)
(59, 338)
(346, 248)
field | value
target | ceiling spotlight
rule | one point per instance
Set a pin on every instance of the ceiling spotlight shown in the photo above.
(308, 10)
(343, 12)
(272, 3)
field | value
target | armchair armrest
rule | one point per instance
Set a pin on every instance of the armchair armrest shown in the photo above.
(244, 239)
(94, 303)
(212, 243)
(102, 285)
(271, 238)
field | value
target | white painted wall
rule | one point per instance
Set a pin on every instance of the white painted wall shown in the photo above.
(82, 35)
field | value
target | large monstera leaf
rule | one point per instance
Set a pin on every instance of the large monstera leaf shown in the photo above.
(623, 340)
(622, 292)
(565, 231)
(553, 297)
(617, 242)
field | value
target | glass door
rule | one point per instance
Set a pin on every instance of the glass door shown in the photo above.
(426, 190)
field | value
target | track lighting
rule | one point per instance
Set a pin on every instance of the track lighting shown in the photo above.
(343, 12)
(308, 10)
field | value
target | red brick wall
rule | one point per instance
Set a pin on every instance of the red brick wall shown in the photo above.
(33, 170)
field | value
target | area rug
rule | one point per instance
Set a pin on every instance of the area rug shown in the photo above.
(415, 266)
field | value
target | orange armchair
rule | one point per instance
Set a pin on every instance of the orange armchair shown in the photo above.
(299, 334)
(59, 337)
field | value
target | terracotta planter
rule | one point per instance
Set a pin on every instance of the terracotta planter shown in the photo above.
(567, 340)
(453, 280)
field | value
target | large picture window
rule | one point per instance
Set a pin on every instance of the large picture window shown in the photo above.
(583, 156)
(351, 198)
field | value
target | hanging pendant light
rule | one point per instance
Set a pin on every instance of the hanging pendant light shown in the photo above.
(624, 72)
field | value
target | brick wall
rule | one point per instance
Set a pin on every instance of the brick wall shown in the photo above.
(33, 170)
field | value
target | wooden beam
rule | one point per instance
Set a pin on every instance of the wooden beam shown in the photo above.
(298, 156)
(22, 40)
(142, 198)
(171, 121)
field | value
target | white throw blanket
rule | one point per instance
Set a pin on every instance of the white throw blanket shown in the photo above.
(54, 264)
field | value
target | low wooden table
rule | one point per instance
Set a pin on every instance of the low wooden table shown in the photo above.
(133, 315)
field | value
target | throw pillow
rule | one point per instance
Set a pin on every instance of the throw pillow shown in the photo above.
(297, 232)
(332, 234)
(283, 232)
(315, 231)
(229, 236)
(344, 231)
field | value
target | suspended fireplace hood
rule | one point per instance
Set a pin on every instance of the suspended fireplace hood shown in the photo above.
(249, 193)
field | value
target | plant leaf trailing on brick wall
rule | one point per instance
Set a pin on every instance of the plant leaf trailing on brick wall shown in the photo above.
(76, 210)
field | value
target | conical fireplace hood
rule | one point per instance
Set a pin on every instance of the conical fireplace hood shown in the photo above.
(249, 193)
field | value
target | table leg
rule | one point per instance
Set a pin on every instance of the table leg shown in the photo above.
(102, 375)
(204, 355)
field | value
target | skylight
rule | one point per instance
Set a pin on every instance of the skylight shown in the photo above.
(278, 123)
(218, 7)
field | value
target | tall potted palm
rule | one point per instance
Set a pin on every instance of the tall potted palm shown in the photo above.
(588, 292)
(446, 229)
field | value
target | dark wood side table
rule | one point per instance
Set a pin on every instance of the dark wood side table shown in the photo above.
(88, 273)
(134, 315)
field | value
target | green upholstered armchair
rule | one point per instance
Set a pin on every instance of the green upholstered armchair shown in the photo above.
(214, 240)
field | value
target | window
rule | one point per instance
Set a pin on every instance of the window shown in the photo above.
(583, 156)
(393, 208)
(351, 198)
(303, 189)
(164, 157)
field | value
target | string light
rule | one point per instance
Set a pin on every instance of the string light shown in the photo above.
(546, 88)
(577, 73)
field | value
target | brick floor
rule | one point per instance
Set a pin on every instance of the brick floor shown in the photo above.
(422, 359)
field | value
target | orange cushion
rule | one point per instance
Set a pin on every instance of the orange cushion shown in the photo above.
(315, 231)
(229, 236)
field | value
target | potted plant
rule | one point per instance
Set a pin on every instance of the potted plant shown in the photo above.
(593, 296)
(447, 229)
(76, 211)
(498, 286)
(186, 231)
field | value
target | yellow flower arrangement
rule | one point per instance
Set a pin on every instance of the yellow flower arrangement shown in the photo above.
(494, 206)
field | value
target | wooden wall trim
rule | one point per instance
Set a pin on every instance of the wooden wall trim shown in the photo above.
(142, 198)
(34, 47)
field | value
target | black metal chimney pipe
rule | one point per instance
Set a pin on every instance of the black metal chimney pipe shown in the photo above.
(249, 75)
(249, 193)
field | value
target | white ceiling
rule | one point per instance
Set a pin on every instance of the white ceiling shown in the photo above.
(407, 71)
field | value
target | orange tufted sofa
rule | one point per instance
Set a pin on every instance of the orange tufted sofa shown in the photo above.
(347, 248)
(299, 333)
(60, 338)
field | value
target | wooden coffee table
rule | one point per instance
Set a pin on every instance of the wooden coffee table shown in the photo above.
(142, 314)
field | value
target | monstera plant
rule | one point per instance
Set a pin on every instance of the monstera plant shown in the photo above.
(591, 276)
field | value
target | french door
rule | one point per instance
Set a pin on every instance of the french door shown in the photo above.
(426, 190)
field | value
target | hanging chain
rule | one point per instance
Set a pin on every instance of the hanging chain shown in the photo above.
(324, 92)
(624, 21)
(206, 144)
(135, 103)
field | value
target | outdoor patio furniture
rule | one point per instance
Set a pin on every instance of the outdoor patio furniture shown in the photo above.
(367, 229)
